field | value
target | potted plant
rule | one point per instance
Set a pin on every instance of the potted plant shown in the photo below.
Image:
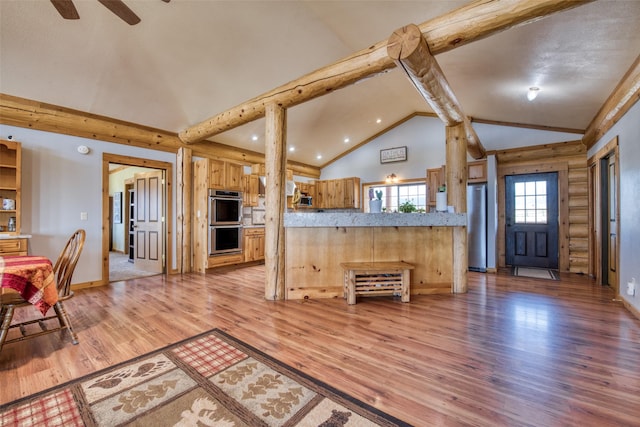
(375, 202)
(407, 207)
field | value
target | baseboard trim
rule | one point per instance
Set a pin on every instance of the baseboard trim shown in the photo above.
(631, 308)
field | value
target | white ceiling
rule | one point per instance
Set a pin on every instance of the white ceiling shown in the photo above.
(191, 59)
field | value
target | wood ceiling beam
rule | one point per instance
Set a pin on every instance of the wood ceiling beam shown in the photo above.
(459, 27)
(623, 97)
(25, 113)
(409, 50)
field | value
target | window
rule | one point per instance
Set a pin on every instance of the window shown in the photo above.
(395, 195)
(531, 202)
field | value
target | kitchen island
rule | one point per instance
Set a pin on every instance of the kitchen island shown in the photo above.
(317, 243)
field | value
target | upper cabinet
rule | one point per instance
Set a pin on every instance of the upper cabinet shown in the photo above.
(260, 170)
(250, 190)
(225, 175)
(338, 193)
(10, 183)
(477, 171)
(435, 179)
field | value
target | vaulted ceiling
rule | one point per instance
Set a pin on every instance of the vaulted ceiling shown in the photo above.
(188, 60)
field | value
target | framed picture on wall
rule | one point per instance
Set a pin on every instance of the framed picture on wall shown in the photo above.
(117, 207)
(397, 154)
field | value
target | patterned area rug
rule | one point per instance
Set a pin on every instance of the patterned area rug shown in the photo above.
(536, 273)
(208, 380)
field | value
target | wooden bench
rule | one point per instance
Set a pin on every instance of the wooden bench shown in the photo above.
(376, 278)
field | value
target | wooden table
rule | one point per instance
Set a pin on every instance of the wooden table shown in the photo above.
(376, 278)
(30, 276)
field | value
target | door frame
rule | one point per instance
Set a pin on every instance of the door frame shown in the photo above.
(551, 226)
(106, 214)
(562, 168)
(596, 232)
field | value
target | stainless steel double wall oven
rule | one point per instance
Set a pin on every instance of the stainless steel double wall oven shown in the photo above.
(225, 222)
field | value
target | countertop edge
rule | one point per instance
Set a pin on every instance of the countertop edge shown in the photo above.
(327, 219)
(12, 236)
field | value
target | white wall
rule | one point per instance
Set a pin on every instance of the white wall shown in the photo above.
(58, 183)
(425, 141)
(628, 132)
(424, 138)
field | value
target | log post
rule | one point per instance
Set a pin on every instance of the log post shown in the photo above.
(409, 49)
(276, 200)
(184, 176)
(457, 197)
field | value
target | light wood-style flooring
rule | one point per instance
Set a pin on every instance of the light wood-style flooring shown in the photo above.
(510, 352)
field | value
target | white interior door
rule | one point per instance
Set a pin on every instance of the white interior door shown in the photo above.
(149, 221)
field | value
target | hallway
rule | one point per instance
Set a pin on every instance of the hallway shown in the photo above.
(121, 269)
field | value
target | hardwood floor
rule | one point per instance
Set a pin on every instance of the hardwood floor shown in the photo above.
(510, 352)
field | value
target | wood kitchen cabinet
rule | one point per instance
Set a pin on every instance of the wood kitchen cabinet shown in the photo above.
(207, 174)
(435, 178)
(13, 246)
(260, 170)
(477, 171)
(253, 242)
(250, 190)
(338, 193)
(351, 193)
(225, 175)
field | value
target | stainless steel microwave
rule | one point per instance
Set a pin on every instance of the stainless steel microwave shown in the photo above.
(305, 201)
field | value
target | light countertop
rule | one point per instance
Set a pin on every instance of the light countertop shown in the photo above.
(352, 219)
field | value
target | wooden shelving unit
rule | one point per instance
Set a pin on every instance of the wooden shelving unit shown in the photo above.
(10, 188)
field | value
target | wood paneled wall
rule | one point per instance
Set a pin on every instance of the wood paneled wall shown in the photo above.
(569, 159)
(314, 255)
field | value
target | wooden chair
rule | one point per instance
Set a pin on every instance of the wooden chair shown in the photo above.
(63, 270)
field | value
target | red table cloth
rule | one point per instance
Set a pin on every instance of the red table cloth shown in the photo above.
(32, 277)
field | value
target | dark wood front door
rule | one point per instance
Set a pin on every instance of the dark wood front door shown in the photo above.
(149, 221)
(531, 220)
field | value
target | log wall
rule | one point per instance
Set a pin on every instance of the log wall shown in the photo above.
(569, 159)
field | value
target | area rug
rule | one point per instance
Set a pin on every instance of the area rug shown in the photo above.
(212, 379)
(536, 273)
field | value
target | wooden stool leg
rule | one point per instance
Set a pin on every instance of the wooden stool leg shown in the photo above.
(345, 284)
(406, 284)
(351, 288)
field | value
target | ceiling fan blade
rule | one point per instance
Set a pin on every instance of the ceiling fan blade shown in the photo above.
(121, 10)
(166, 1)
(66, 9)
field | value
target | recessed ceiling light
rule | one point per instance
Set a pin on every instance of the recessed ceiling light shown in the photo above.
(346, 140)
(254, 138)
(532, 93)
(379, 121)
(292, 148)
(319, 156)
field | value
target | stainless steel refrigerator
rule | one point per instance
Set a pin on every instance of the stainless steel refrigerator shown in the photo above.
(477, 226)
